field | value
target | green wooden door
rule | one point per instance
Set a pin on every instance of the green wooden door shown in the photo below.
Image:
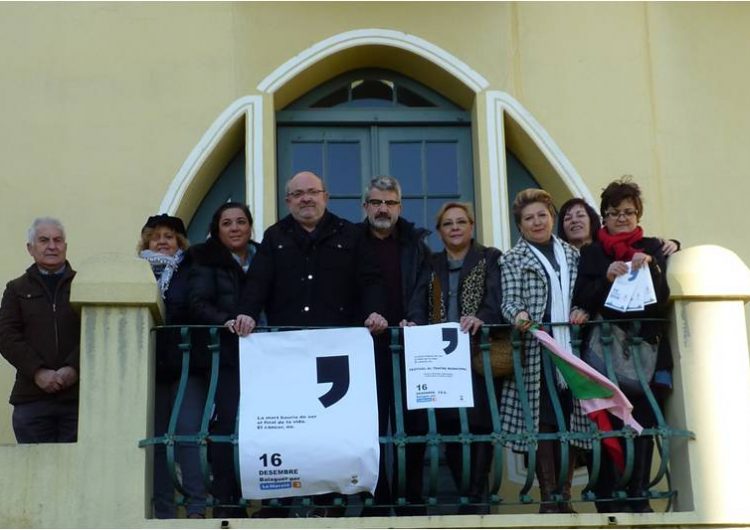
(374, 122)
(433, 165)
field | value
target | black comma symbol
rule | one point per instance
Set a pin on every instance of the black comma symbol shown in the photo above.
(450, 335)
(334, 370)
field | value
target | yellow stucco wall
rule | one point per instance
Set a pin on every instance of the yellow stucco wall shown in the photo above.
(102, 103)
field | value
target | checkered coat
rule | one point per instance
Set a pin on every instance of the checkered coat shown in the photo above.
(524, 287)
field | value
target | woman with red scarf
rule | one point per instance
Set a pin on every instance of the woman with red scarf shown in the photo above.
(620, 241)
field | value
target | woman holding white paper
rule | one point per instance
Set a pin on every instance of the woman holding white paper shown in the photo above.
(465, 288)
(619, 242)
(537, 278)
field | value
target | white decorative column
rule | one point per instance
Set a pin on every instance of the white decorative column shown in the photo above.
(710, 286)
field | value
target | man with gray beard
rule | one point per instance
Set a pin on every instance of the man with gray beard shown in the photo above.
(403, 257)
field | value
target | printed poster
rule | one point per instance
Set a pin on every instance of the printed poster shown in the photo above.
(438, 367)
(308, 413)
(631, 291)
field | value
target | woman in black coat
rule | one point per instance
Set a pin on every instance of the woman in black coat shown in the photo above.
(618, 242)
(217, 279)
(164, 244)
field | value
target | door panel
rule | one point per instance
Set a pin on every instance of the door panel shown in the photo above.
(433, 165)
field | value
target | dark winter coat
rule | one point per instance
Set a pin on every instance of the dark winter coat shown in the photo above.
(39, 329)
(592, 286)
(592, 289)
(216, 283)
(414, 255)
(484, 296)
(177, 312)
(331, 280)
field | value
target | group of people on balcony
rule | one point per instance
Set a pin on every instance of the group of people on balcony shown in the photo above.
(314, 268)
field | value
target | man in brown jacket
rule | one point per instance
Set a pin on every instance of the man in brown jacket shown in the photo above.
(39, 336)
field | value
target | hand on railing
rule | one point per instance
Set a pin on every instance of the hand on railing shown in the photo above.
(523, 321)
(470, 323)
(243, 325)
(578, 316)
(376, 323)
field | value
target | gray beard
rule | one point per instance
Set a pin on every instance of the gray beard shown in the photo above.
(382, 224)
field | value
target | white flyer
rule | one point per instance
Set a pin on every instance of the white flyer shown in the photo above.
(308, 413)
(631, 291)
(438, 367)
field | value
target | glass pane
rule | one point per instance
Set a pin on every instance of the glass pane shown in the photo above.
(413, 210)
(350, 209)
(344, 168)
(433, 205)
(334, 98)
(442, 167)
(405, 160)
(306, 156)
(372, 89)
(411, 99)
(519, 178)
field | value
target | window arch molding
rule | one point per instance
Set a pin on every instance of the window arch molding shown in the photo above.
(507, 124)
(372, 36)
(511, 126)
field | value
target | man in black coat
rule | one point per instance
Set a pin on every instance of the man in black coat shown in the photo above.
(312, 269)
(40, 335)
(400, 250)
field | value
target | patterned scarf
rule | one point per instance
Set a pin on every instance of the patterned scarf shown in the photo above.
(471, 295)
(163, 266)
(620, 246)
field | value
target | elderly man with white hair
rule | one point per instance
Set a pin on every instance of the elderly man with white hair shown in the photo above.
(40, 336)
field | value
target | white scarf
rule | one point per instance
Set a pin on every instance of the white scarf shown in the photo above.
(164, 267)
(559, 292)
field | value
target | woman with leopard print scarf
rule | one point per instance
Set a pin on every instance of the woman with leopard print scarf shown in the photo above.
(465, 288)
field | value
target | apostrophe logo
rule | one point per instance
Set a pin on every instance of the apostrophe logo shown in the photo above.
(334, 370)
(355, 480)
(450, 335)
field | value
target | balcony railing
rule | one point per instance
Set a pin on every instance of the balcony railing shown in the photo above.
(397, 440)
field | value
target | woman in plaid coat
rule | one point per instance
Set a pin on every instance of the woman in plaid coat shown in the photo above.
(537, 279)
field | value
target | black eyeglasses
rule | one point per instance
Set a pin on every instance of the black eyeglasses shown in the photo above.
(376, 203)
(298, 194)
(616, 214)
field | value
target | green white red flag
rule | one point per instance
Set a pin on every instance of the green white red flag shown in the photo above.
(597, 394)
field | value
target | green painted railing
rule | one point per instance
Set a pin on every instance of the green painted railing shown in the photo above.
(398, 439)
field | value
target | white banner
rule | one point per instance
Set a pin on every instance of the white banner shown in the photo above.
(308, 413)
(438, 367)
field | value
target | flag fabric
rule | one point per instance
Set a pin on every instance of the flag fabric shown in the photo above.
(597, 394)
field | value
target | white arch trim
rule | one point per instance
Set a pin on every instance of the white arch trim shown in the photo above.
(251, 108)
(363, 37)
(498, 104)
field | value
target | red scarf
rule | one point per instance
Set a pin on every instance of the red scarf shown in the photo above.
(620, 246)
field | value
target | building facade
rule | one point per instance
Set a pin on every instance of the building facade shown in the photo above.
(113, 112)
